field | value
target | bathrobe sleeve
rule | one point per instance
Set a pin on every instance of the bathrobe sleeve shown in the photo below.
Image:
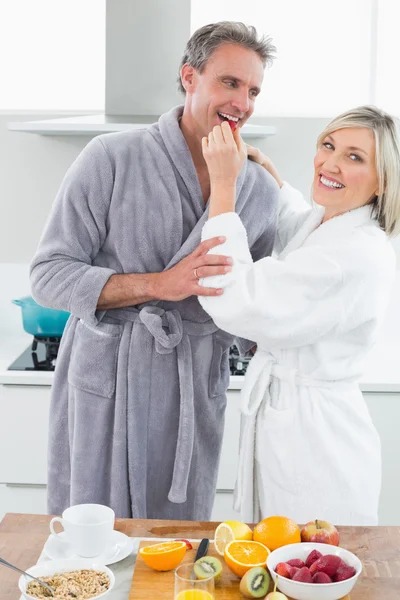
(278, 303)
(292, 212)
(62, 274)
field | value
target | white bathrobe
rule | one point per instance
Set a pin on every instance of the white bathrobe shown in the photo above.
(308, 447)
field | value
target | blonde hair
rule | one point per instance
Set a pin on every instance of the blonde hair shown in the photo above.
(385, 206)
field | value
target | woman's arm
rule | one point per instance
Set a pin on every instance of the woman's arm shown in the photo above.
(224, 153)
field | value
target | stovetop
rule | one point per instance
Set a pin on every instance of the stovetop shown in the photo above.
(42, 355)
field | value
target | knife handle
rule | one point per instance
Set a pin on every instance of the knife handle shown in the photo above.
(202, 549)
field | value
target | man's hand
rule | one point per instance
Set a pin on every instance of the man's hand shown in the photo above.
(182, 280)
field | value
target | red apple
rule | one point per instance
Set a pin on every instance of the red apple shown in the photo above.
(321, 532)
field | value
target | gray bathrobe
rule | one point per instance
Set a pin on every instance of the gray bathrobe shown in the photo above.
(138, 400)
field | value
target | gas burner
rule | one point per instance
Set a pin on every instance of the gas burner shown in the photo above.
(51, 345)
(237, 363)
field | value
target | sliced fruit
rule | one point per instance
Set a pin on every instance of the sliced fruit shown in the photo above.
(243, 555)
(255, 583)
(303, 575)
(228, 531)
(283, 569)
(277, 531)
(206, 566)
(164, 556)
(312, 557)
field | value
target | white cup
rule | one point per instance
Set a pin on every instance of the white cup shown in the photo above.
(88, 528)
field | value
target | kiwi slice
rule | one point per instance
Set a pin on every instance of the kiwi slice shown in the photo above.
(206, 566)
(255, 583)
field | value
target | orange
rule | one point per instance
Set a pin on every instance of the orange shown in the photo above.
(164, 556)
(194, 595)
(275, 532)
(243, 555)
(228, 531)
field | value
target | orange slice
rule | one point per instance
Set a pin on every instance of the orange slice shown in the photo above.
(164, 556)
(243, 555)
(228, 531)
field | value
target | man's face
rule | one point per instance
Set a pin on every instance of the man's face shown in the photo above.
(228, 86)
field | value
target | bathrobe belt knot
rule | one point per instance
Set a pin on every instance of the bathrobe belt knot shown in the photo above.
(170, 331)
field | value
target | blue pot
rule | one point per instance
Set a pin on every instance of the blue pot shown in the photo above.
(40, 321)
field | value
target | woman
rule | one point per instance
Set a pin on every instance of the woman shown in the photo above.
(308, 447)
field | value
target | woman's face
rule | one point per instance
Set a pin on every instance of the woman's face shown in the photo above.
(345, 175)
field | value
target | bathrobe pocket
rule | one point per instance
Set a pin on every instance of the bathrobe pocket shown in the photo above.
(94, 355)
(219, 370)
(276, 448)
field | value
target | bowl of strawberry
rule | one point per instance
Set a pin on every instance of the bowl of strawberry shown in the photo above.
(312, 571)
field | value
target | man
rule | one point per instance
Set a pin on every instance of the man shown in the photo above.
(138, 400)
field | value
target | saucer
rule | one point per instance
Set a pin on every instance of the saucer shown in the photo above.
(120, 547)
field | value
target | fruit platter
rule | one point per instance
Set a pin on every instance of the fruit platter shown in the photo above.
(275, 560)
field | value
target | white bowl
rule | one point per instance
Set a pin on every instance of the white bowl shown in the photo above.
(61, 566)
(313, 591)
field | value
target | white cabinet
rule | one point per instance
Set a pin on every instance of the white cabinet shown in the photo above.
(230, 445)
(223, 508)
(30, 499)
(223, 503)
(384, 408)
(24, 415)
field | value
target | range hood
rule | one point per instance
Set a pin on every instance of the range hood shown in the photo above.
(145, 40)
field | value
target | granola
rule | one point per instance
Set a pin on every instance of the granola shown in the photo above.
(72, 585)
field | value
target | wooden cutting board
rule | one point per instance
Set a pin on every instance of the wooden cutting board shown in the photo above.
(148, 584)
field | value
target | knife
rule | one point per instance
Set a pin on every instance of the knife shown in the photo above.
(201, 551)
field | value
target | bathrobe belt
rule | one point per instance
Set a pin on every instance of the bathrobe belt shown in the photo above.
(170, 331)
(262, 368)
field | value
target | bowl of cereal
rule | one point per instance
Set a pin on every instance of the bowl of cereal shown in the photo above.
(80, 578)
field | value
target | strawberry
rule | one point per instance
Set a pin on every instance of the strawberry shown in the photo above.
(303, 575)
(188, 544)
(312, 557)
(344, 572)
(292, 571)
(320, 577)
(296, 562)
(328, 564)
(283, 569)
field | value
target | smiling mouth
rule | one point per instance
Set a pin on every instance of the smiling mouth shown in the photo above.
(233, 121)
(330, 183)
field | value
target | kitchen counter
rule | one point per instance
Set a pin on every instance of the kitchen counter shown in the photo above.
(382, 372)
(22, 538)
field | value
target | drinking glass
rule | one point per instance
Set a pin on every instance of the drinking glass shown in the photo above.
(187, 587)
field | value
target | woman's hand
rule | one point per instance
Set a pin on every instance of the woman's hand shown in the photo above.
(224, 153)
(255, 154)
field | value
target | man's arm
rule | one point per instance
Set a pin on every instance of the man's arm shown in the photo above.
(178, 283)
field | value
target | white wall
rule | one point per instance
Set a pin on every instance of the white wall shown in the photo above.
(32, 167)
